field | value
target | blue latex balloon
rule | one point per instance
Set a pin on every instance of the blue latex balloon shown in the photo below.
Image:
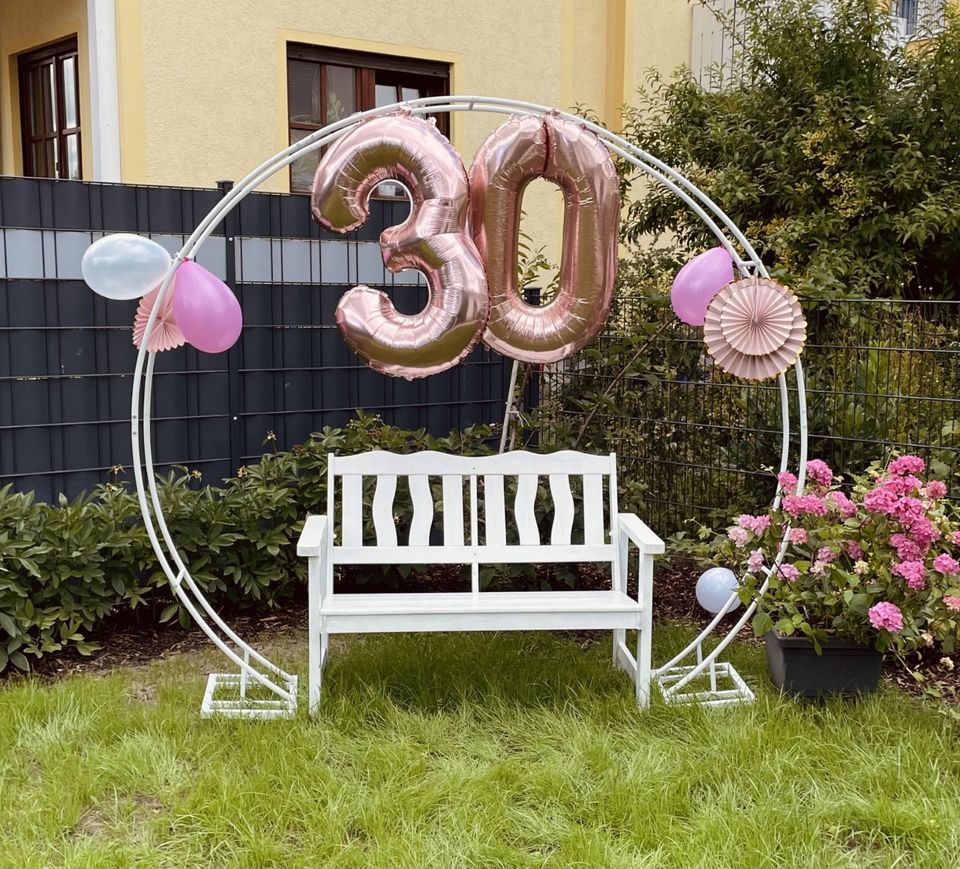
(124, 266)
(714, 586)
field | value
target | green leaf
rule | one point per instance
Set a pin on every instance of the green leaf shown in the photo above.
(169, 612)
(8, 624)
(19, 661)
(762, 623)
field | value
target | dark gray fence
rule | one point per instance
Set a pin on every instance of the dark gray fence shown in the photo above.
(694, 443)
(66, 355)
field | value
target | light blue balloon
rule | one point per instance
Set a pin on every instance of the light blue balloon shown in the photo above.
(714, 586)
(124, 266)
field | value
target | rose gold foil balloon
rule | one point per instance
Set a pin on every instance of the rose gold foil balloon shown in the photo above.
(432, 239)
(519, 150)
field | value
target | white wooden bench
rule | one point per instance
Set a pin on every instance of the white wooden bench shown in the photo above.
(505, 536)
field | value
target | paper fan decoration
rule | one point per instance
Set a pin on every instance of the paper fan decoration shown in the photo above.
(166, 334)
(754, 328)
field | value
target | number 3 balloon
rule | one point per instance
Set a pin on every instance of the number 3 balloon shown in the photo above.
(432, 239)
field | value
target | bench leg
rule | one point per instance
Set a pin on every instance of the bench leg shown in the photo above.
(317, 641)
(645, 634)
(620, 580)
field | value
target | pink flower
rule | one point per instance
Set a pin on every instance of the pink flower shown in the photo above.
(913, 572)
(935, 490)
(886, 616)
(854, 550)
(880, 500)
(798, 505)
(909, 510)
(790, 573)
(798, 535)
(924, 532)
(953, 603)
(954, 537)
(826, 554)
(788, 482)
(946, 564)
(903, 485)
(755, 561)
(756, 524)
(846, 507)
(907, 550)
(819, 471)
(906, 465)
(740, 536)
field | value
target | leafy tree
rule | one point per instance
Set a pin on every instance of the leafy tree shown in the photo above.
(836, 149)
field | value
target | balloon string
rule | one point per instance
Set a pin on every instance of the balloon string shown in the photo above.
(583, 428)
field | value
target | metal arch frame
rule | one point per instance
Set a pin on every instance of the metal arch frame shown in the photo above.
(254, 666)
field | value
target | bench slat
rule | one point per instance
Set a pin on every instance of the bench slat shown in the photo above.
(422, 510)
(452, 510)
(433, 462)
(498, 554)
(523, 512)
(383, 522)
(494, 509)
(486, 601)
(563, 509)
(592, 508)
(351, 512)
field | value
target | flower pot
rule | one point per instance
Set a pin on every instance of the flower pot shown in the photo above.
(845, 668)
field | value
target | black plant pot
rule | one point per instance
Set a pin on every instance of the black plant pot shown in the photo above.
(845, 668)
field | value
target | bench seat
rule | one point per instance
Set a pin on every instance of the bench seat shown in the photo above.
(486, 611)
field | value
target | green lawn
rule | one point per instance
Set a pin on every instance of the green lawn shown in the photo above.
(469, 750)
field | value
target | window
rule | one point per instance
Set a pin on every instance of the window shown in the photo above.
(50, 111)
(325, 85)
(918, 18)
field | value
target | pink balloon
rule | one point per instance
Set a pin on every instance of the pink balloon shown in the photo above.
(698, 282)
(206, 309)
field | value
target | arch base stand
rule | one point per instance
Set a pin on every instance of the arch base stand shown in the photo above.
(226, 696)
(716, 673)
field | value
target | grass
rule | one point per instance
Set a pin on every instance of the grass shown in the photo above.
(469, 750)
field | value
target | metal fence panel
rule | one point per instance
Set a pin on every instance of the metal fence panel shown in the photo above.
(66, 355)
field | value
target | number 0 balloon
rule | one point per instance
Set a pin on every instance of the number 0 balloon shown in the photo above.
(572, 157)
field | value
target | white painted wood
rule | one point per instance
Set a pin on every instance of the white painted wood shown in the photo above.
(351, 517)
(592, 508)
(523, 504)
(494, 510)
(610, 609)
(640, 534)
(432, 462)
(383, 522)
(563, 509)
(500, 554)
(452, 510)
(605, 600)
(313, 537)
(422, 509)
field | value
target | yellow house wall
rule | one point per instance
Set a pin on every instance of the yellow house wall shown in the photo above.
(203, 84)
(27, 24)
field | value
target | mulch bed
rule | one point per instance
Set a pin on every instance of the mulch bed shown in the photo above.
(135, 638)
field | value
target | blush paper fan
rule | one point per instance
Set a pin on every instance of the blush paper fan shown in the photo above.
(754, 328)
(166, 334)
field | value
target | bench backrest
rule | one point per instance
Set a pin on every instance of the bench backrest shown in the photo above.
(481, 485)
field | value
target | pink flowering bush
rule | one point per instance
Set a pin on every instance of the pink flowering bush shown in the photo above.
(876, 561)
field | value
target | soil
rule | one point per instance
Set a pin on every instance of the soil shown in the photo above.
(135, 638)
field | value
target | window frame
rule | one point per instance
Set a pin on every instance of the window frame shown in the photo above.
(430, 75)
(55, 53)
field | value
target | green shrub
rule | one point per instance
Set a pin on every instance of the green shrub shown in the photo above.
(65, 567)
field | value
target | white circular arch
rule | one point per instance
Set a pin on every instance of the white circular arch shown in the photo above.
(255, 666)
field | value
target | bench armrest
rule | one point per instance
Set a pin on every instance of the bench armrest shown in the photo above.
(638, 532)
(313, 538)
